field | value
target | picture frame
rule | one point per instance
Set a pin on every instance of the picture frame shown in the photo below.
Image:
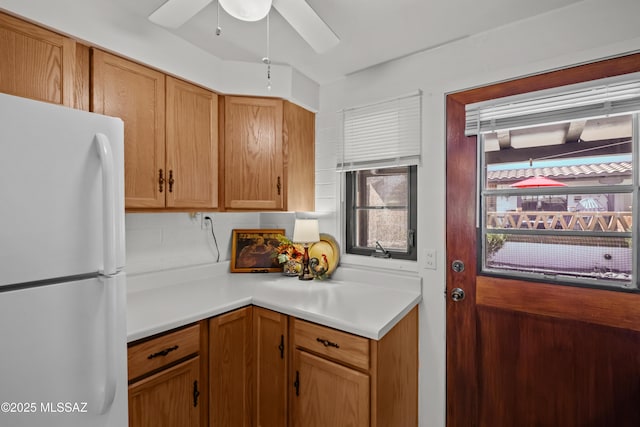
(253, 250)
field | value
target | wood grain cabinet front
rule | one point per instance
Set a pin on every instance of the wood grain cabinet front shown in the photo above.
(168, 379)
(36, 63)
(339, 379)
(268, 155)
(171, 134)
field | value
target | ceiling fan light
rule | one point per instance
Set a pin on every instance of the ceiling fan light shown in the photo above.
(246, 10)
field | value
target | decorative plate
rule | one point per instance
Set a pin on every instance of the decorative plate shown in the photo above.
(327, 246)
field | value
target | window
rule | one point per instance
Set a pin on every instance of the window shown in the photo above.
(379, 154)
(381, 211)
(558, 185)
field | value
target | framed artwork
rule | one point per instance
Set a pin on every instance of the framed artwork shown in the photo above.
(254, 250)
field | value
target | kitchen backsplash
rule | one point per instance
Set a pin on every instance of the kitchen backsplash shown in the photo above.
(161, 241)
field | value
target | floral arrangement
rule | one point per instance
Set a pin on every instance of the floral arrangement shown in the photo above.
(288, 251)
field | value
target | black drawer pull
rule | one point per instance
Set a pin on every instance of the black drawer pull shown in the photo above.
(162, 352)
(327, 343)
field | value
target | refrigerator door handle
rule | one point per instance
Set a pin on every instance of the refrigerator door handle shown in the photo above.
(109, 268)
(108, 204)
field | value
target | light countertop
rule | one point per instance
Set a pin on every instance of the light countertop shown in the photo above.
(364, 303)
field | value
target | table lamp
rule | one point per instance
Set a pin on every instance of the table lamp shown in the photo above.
(305, 231)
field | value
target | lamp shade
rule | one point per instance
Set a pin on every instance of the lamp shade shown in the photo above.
(306, 231)
(246, 10)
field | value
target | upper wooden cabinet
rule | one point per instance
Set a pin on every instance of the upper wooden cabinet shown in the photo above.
(269, 155)
(36, 63)
(253, 158)
(298, 133)
(192, 146)
(176, 167)
(136, 94)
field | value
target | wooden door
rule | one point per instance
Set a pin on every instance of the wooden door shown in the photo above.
(328, 394)
(271, 355)
(167, 399)
(136, 94)
(253, 158)
(36, 63)
(298, 133)
(230, 369)
(521, 353)
(192, 146)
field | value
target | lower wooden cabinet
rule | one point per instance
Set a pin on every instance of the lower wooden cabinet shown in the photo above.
(339, 379)
(254, 367)
(271, 364)
(230, 367)
(168, 380)
(167, 399)
(328, 394)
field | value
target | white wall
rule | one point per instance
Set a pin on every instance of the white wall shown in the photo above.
(582, 32)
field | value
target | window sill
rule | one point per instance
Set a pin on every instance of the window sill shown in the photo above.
(379, 263)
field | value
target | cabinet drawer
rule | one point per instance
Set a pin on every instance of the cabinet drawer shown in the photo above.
(340, 346)
(161, 351)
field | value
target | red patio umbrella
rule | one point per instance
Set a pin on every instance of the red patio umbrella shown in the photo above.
(538, 181)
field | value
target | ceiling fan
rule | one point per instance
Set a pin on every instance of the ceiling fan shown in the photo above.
(174, 13)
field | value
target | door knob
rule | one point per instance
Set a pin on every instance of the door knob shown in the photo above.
(457, 294)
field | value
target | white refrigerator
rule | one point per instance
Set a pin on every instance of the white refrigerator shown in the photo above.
(62, 285)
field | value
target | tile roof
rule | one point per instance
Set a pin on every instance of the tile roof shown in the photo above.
(577, 171)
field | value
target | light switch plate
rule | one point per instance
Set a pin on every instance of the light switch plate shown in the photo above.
(430, 259)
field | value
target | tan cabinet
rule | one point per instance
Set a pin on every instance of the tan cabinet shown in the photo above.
(165, 381)
(253, 158)
(298, 133)
(136, 94)
(269, 155)
(192, 146)
(36, 63)
(271, 364)
(172, 167)
(231, 369)
(341, 379)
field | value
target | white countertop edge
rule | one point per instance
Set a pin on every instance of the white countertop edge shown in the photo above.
(159, 328)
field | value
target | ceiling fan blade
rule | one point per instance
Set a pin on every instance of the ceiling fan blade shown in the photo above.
(174, 13)
(307, 23)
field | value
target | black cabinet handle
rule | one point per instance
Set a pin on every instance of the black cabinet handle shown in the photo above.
(196, 394)
(160, 180)
(281, 347)
(171, 180)
(162, 352)
(296, 383)
(327, 343)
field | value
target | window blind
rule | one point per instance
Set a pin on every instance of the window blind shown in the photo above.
(383, 134)
(598, 98)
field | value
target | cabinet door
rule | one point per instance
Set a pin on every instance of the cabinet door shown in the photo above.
(230, 369)
(192, 146)
(136, 94)
(328, 394)
(36, 63)
(270, 332)
(298, 133)
(169, 398)
(253, 153)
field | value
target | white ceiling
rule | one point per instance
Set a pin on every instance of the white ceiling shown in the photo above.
(370, 31)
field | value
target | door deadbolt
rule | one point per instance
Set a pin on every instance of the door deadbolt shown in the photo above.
(457, 266)
(457, 294)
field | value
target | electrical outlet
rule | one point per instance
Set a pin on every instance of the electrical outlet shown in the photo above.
(206, 224)
(430, 259)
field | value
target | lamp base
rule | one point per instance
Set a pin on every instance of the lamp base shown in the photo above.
(305, 274)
